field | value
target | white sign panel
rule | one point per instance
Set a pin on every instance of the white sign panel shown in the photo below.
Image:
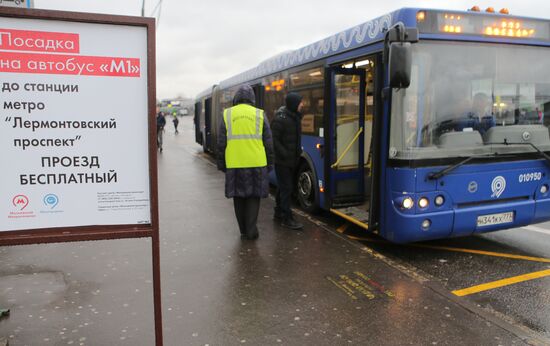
(73, 124)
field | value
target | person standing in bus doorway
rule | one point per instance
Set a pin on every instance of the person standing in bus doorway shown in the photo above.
(161, 122)
(287, 133)
(176, 122)
(245, 154)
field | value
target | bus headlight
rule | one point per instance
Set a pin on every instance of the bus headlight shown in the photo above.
(439, 200)
(407, 203)
(544, 189)
(423, 202)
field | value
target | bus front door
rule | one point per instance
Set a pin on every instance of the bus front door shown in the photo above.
(347, 136)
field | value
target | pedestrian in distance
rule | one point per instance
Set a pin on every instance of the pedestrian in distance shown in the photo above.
(245, 154)
(176, 122)
(287, 133)
(161, 122)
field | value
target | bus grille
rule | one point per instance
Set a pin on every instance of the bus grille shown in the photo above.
(494, 201)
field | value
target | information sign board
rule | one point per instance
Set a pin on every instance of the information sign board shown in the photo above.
(77, 130)
(75, 118)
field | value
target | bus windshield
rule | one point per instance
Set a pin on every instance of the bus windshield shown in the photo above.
(470, 99)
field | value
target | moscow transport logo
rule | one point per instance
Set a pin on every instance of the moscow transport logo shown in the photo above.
(498, 186)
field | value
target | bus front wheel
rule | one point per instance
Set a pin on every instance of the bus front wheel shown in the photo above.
(307, 189)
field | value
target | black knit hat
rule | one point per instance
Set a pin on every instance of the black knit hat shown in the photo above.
(293, 101)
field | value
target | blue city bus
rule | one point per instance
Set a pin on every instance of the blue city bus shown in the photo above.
(420, 124)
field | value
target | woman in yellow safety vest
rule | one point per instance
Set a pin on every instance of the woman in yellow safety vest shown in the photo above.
(245, 154)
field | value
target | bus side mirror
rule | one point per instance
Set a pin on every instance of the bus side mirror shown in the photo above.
(400, 60)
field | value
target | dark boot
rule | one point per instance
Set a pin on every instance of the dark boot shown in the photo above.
(277, 215)
(252, 237)
(292, 224)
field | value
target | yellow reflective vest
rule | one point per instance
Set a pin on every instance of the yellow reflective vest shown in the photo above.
(245, 146)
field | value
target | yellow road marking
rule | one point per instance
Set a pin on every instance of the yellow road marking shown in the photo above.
(352, 237)
(501, 283)
(342, 228)
(486, 253)
(486, 286)
(454, 249)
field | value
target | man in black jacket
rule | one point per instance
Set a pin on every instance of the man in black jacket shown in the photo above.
(287, 132)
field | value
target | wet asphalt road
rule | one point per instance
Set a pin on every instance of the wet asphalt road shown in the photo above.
(525, 303)
(288, 288)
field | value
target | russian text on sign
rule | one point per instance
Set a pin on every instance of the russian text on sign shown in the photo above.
(71, 161)
(69, 178)
(70, 64)
(39, 41)
(28, 106)
(18, 122)
(44, 142)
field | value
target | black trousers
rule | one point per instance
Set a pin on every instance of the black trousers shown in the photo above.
(246, 210)
(285, 184)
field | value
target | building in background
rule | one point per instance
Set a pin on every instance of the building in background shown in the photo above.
(178, 106)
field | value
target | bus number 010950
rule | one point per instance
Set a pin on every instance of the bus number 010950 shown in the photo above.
(524, 178)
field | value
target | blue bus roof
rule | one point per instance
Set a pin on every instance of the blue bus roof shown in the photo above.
(205, 92)
(357, 36)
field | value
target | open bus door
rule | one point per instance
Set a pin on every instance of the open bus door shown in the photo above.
(346, 141)
(259, 95)
(197, 122)
(208, 124)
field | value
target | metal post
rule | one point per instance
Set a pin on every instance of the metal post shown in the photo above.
(156, 288)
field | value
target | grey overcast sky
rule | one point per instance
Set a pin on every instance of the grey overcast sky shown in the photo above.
(200, 43)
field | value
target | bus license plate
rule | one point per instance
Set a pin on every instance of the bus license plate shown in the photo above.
(495, 219)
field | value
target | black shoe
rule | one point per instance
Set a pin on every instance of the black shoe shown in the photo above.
(292, 224)
(253, 237)
(277, 216)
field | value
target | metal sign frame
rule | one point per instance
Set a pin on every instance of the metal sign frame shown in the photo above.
(105, 232)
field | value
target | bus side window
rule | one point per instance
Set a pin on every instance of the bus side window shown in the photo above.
(310, 85)
(275, 89)
(313, 102)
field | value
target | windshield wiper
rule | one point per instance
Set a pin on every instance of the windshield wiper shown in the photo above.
(542, 153)
(437, 175)
(445, 171)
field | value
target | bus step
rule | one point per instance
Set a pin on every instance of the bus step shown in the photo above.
(358, 215)
(348, 201)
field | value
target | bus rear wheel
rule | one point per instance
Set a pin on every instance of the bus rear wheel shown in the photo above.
(307, 189)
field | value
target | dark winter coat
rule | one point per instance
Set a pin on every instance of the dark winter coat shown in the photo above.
(287, 133)
(161, 121)
(245, 182)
